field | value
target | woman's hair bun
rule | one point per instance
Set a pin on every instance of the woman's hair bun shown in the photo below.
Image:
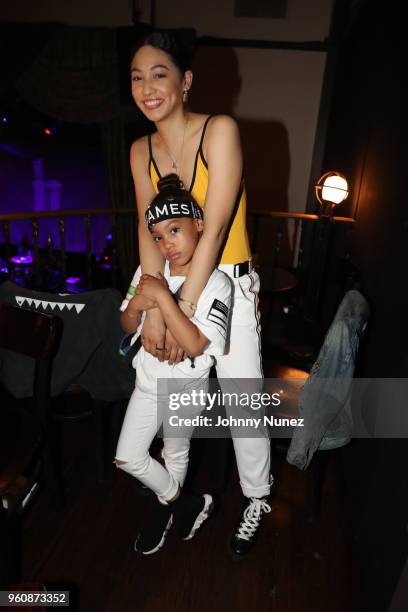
(170, 182)
(177, 43)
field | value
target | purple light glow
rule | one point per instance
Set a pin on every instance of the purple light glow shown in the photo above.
(79, 189)
(73, 280)
(22, 259)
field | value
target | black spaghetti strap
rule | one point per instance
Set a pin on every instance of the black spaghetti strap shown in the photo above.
(151, 158)
(204, 130)
(199, 153)
(200, 148)
(149, 140)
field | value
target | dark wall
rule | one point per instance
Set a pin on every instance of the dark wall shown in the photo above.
(367, 140)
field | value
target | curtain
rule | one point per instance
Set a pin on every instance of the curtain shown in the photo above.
(121, 193)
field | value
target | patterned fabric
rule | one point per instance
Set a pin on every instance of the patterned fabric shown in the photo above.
(325, 399)
(88, 353)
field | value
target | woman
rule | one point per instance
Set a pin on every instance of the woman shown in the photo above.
(206, 153)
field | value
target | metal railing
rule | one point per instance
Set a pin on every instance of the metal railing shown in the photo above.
(269, 232)
(34, 219)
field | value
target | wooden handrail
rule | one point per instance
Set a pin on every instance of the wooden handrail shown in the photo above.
(256, 217)
(293, 215)
(79, 212)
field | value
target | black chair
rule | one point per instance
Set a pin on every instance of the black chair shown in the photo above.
(25, 444)
(88, 376)
(36, 336)
(294, 379)
(326, 396)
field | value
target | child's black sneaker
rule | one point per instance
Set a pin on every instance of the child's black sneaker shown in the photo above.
(190, 512)
(154, 532)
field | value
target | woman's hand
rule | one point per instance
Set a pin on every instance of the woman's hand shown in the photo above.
(141, 302)
(152, 286)
(153, 334)
(174, 353)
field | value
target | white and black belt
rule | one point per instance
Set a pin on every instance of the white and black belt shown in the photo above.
(237, 270)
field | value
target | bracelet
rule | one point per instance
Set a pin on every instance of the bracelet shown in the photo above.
(191, 304)
(131, 291)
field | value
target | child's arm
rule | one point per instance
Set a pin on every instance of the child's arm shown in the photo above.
(185, 333)
(130, 318)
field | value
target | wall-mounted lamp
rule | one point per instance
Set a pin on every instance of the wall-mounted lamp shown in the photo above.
(331, 189)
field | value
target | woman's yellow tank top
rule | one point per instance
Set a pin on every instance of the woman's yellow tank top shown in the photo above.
(236, 249)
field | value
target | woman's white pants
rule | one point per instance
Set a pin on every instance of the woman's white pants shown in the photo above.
(243, 361)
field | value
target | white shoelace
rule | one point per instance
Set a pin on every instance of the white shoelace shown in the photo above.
(252, 518)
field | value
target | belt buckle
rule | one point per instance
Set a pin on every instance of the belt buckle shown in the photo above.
(242, 268)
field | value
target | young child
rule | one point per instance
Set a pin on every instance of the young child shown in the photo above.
(175, 222)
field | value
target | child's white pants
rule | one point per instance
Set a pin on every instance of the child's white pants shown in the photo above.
(139, 427)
